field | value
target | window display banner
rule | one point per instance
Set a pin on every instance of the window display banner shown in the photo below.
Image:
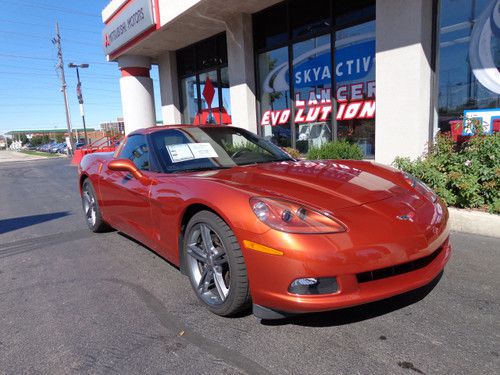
(487, 119)
(353, 64)
(485, 36)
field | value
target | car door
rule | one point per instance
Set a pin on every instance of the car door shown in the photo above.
(126, 199)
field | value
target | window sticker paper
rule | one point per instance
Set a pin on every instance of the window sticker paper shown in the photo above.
(189, 151)
(180, 152)
(202, 150)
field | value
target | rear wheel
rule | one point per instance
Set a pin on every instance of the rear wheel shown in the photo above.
(215, 265)
(91, 209)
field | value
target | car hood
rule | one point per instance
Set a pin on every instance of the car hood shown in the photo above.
(326, 185)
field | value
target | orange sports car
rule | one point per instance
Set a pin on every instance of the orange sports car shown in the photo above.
(248, 224)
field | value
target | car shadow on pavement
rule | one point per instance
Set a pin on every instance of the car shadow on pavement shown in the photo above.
(8, 225)
(147, 248)
(358, 313)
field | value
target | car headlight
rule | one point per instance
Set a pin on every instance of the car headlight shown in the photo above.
(420, 186)
(292, 217)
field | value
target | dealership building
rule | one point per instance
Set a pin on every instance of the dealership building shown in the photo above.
(386, 74)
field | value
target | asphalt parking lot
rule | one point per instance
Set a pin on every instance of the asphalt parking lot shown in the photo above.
(74, 301)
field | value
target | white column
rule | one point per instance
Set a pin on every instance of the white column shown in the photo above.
(169, 89)
(404, 78)
(241, 71)
(137, 93)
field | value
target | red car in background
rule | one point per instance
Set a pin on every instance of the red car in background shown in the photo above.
(250, 225)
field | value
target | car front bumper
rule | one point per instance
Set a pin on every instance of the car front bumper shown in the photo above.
(371, 263)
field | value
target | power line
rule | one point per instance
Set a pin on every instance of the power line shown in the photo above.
(48, 26)
(28, 74)
(45, 58)
(2, 65)
(42, 37)
(56, 104)
(40, 47)
(51, 7)
(26, 57)
(87, 88)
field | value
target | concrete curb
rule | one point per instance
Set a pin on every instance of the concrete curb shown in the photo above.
(474, 222)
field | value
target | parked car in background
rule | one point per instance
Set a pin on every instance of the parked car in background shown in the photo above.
(79, 144)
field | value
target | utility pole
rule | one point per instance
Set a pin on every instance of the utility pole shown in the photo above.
(60, 65)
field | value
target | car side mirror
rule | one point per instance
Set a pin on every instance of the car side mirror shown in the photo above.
(126, 165)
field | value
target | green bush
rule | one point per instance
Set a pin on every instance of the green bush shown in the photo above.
(293, 152)
(336, 150)
(466, 175)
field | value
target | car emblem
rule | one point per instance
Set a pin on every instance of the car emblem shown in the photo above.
(407, 217)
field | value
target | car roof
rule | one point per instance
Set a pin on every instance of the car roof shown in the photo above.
(154, 129)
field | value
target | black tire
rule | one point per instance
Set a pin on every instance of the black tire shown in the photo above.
(91, 209)
(231, 266)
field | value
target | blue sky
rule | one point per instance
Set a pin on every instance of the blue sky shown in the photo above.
(30, 95)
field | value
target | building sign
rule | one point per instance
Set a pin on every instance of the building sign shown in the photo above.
(132, 21)
(354, 93)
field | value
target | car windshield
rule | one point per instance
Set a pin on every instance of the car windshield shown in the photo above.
(207, 148)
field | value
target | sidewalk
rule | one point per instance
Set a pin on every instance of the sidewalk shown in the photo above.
(474, 222)
(8, 156)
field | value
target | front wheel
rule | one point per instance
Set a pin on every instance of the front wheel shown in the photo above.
(91, 209)
(215, 265)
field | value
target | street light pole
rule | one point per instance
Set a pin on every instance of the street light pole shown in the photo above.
(80, 96)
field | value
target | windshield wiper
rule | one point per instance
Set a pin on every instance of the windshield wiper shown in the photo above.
(199, 169)
(265, 161)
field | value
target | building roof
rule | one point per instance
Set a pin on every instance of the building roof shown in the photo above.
(45, 131)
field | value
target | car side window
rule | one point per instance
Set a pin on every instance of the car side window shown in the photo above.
(136, 149)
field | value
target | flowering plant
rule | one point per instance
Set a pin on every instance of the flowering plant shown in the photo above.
(465, 175)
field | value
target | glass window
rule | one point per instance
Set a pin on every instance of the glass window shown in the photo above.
(186, 61)
(312, 89)
(355, 85)
(222, 49)
(209, 89)
(195, 148)
(226, 97)
(469, 59)
(189, 100)
(205, 93)
(271, 27)
(323, 95)
(307, 19)
(353, 11)
(206, 53)
(136, 149)
(275, 95)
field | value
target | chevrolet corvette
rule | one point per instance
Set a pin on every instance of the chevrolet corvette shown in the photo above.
(251, 226)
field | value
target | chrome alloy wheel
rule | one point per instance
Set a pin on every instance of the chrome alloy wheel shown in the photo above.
(89, 206)
(208, 264)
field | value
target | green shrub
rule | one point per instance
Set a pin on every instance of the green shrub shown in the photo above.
(466, 175)
(336, 150)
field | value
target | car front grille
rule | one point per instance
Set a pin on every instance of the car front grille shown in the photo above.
(414, 265)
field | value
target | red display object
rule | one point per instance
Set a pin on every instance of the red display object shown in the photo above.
(456, 127)
(208, 92)
(202, 117)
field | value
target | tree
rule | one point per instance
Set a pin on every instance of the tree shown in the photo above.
(23, 138)
(60, 137)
